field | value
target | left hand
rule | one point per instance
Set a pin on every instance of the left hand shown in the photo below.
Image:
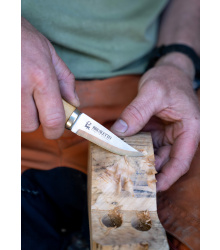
(167, 106)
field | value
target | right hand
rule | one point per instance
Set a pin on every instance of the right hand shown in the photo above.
(44, 79)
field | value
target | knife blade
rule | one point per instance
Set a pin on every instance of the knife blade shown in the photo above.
(84, 126)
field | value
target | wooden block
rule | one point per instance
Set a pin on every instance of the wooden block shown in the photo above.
(122, 199)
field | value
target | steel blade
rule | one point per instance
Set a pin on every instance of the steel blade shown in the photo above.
(93, 131)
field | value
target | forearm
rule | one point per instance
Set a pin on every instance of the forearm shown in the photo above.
(180, 24)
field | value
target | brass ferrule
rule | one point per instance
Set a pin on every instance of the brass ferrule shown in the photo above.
(72, 119)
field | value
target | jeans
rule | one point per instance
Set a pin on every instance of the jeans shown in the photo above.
(54, 212)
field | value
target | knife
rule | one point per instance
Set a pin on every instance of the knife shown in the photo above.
(84, 126)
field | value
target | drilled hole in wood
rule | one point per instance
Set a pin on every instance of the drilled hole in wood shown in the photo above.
(142, 222)
(112, 220)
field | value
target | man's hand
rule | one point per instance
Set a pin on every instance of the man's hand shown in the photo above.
(44, 79)
(167, 106)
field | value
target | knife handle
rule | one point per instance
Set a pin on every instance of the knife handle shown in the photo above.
(68, 108)
(71, 113)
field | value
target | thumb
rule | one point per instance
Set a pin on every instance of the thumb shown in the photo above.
(135, 116)
(65, 78)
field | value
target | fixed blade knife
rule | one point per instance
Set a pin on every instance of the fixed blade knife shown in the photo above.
(84, 126)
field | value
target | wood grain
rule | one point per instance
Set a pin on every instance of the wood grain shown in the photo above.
(122, 199)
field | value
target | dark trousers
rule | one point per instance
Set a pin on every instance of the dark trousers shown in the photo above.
(54, 210)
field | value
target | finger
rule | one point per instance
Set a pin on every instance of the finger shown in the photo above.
(137, 114)
(181, 156)
(65, 78)
(29, 116)
(49, 102)
(162, 156)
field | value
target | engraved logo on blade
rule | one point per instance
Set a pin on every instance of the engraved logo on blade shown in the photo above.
(100, 132)
(96, 130)
(88, 125)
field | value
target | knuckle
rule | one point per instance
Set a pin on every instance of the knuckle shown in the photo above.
(67, 77)
(29, 119)
(155, 91)
(70, 76)
(156, 86)
(166, 185)
(165, 182)
(27, 128)
(72, 81)
(38, 74)
(182, 167)
(134, 114)
(39, 77)
(54, 121)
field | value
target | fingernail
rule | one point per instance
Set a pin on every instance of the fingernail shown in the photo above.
(120, 126)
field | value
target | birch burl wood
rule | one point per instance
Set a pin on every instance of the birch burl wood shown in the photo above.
(122, 199)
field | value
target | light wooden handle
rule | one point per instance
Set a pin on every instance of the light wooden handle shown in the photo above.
(68, 109)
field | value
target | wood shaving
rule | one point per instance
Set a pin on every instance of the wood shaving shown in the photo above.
(151, 171)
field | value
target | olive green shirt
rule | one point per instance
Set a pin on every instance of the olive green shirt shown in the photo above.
(98, 38)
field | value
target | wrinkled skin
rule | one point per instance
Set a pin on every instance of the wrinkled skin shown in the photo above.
(44, 79)
(167, 106)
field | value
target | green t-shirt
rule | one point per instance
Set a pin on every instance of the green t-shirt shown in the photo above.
(98, 38)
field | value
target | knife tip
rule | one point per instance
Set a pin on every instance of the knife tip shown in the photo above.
(135, 154)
